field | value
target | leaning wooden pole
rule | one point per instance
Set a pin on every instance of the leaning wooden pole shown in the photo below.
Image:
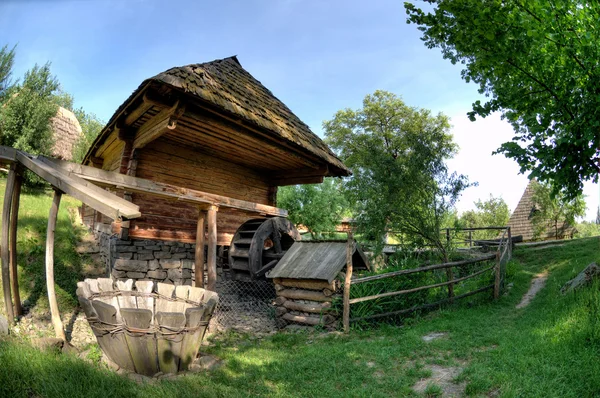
(211, 259)
(56, 321)
(4, 256)
(199, 253)
(14, 218)
(347, 282)
(497, 274)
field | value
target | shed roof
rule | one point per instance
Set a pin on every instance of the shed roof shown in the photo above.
(316, 260)
(225, 84)
(520, 220)
(66, 131)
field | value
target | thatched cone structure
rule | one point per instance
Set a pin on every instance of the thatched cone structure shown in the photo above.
(147, 331)
(66, 131)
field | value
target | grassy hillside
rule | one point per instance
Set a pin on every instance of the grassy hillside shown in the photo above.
(548, 349)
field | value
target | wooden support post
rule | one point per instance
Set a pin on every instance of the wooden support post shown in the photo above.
(56, 321)
(8, 193)
(349, 252)
(497, 276)
(470, 238)
(211, 260)
(199, 254)
(14, 218)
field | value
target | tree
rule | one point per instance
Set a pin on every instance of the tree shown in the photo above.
(536, 62)
(397, 156)
(492, 212)
(91, 126)
(553, 211)
(318, 207)
(7, 60)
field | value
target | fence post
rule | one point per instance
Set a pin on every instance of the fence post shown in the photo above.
(349, 252)
(470, 238)
(497, 276)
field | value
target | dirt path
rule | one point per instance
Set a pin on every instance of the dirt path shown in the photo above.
(536, 285)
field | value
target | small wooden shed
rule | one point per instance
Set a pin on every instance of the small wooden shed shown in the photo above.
(307, 279)
(214, 134)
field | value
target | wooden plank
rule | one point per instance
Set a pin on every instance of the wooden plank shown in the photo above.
(126, 299)
(211, 260)
(191, 341)
(4, 242)
(55, 314)
(162, 304)
(106, 285)
(303, 295)
(169, 348)
(147, 302)
(7, 154)
(416, 289)
(423, 269)
(311, 284)
(141, 345)
(93, 196)
(182, 292)
(114, 345)
(347, 283)
(14, 218)
(136, 184)
(199, 250)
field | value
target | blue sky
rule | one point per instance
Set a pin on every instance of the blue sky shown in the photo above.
(316, 56)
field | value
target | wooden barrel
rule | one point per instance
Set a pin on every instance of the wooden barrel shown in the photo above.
(147, 329)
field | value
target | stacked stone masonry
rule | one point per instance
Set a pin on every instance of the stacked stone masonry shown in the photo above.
(159, 261)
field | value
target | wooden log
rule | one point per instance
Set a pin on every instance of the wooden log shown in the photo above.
(142, 347)
(303, 295)
(347, 283)
(199, 252)
(328, 292)
(300, 307)
(4, 242)
(169, 347)
(211, 261)
(278, 287)
(56, 321)
(279, 311)
(114, 345)
(14, 218)
(309, 320)
(423, 269)
(311, 284)
(280, 300)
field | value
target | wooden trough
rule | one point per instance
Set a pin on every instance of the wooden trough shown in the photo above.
(147, 330)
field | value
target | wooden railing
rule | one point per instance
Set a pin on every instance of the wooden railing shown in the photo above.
(500, 258)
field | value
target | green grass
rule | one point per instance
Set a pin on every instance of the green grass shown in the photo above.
(548, 349)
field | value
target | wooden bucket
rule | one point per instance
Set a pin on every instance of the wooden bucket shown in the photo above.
(144, 329)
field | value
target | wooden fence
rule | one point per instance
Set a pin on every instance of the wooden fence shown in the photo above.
(500, 258)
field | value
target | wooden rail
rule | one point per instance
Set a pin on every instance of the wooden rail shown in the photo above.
(501, 256)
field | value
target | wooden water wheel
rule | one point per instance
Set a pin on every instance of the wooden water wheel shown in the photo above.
(258, 245)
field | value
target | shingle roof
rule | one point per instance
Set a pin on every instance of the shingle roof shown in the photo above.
(66, 132)
(316, 260)
(224, 83)
(520, 221)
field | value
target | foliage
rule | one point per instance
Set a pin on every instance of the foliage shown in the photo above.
(91, 126)
(490, 213)
(319, 207)
(587, 229)
(535, 61)
(7, 59)
(397, 156)
(552, 211)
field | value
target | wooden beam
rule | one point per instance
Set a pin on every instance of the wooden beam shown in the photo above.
(7, 154)
(97, 161)
(8, 194)
(56, 321)
(347, 282)
(155, 127)
(297, 180)
(168, 191)
(199, 253)
(92, 195)
(14, 275)
(211, 261)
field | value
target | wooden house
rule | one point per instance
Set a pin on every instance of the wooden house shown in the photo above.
(521, 225)
(213, 129)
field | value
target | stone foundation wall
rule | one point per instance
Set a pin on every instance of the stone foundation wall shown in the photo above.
(159, 261)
